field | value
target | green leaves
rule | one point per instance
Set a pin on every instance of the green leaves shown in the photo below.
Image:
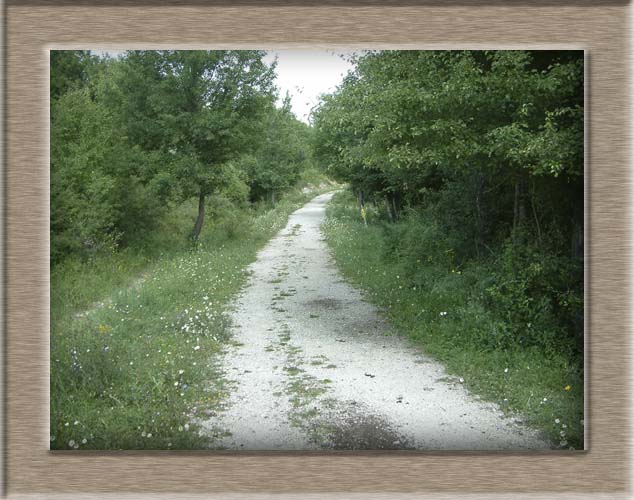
(488, 147)
(130, 135)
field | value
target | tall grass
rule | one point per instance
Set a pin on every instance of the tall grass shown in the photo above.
(443, 310)
(135, 335)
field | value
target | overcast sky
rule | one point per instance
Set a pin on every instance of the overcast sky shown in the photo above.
(305, 74)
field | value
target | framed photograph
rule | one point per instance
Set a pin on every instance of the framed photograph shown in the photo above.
(316, 250)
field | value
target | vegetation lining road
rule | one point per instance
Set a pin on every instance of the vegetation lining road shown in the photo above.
(167, 170)
(133, 373)
(467, 167)
(444, 312)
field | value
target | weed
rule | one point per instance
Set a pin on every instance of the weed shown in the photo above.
(132, 360)
(445, 311)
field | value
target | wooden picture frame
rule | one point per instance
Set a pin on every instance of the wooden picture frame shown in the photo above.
(35, 26)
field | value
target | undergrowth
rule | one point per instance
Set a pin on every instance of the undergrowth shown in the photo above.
(455, 315)
(135, 333)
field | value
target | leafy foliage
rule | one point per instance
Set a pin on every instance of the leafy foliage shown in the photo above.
(482, 150)
(133, 137)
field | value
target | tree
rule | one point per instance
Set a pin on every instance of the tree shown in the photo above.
(488, 145)
(70, 70)
(284, 152)
(205, 110)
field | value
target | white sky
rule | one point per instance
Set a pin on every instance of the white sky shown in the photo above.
(305, 74)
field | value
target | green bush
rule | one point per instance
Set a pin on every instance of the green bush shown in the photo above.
(538, 295)
(473, 317)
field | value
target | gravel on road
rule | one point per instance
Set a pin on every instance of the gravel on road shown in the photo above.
(312, 365)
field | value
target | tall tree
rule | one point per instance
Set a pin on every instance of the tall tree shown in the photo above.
(204, 108)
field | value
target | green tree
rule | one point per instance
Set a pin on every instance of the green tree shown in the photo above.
(204, 108)
(284, 152)
(488, 145)
(70, 70)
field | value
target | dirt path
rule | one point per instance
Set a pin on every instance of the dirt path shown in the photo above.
(314, 366)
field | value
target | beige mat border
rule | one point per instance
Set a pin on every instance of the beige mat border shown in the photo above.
(35, 26)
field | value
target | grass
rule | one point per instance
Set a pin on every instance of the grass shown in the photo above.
(438, 310)
(136, 335)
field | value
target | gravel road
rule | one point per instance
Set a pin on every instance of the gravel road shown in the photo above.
(313, 365)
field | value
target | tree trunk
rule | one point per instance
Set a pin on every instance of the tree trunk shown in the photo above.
(394, 208)
(360, 199)
(388, 208)
(519, 216)
(201, 216)
(516, 204)
(479, 236)
(272, 197)
(533, 203)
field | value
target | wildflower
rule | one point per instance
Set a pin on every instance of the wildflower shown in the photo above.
(52, 438)
(76, 422)
(84, 441)
(506, 370)
(567, 388)
(71, 443)
(557, 420)
(443, 314)
(143, 434)
(180, 372)
(563, 443)
(562, 433)
(186, 427)
(149, 434)
(66, 424)
(196, 348)
(461, 380)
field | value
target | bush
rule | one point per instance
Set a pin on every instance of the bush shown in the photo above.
(533, 292)
(473, 317)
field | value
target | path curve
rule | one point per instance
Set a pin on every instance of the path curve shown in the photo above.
(313, 365)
